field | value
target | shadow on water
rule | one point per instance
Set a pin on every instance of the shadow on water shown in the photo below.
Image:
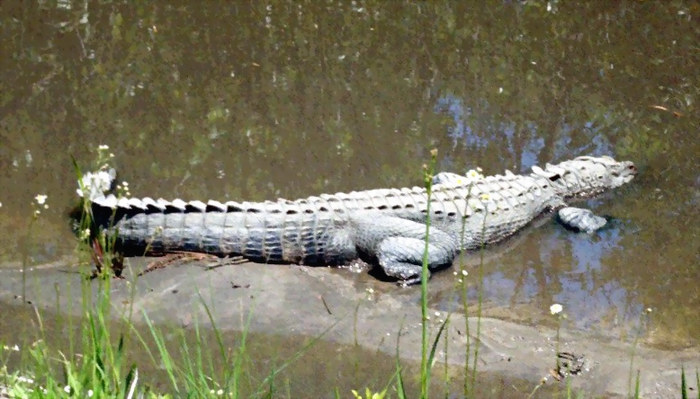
(264, 100)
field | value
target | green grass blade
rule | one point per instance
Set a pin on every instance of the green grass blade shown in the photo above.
(400, 388)
(684, 387)
(165, 356)
(436, 341)
(294, 357)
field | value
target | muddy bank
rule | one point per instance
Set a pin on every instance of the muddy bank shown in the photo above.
(295, 301)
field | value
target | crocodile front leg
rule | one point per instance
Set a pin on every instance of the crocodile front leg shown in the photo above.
(580, 219)
(399, 244)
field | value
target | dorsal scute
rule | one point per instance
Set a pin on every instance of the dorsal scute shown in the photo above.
(274, 207)
(162, 203)
(342, 196)
(555, 169)
(109, 201)
(234, 206)
(215, 206)
(442, 195)
(152, 205)
(123, 203)
(536, 170)
(195, 206)
(177, 205)
(137, 203)
(252, 207)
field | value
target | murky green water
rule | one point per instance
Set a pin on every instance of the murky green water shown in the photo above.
(288, 99)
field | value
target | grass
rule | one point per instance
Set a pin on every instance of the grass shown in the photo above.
(98, 362)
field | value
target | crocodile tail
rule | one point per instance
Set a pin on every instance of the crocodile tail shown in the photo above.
(147, 226)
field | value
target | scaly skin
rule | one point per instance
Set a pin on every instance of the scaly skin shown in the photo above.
(385, 227)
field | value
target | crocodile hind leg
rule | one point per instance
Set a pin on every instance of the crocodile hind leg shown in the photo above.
(402, 258)
(399, 244)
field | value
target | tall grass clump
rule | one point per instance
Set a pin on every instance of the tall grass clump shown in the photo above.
(428, 349)
(427, 357)
(99, 361)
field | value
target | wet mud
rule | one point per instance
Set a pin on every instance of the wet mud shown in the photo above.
(353, 308)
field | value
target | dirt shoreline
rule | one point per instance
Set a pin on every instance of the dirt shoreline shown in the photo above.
(294, 301)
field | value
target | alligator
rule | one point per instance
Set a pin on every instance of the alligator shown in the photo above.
(383, 227)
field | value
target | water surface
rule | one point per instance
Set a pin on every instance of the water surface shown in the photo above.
(290, 99)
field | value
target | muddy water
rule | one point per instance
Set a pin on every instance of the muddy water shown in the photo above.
(288, 100)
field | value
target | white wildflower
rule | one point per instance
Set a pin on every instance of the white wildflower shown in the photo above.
(465, 273)
(41, 199)
(66, 389)
(96, 183)
(220, 392)
(90, 393)
(24, 379)
(556, 308)
(474, 174)
(103, 147)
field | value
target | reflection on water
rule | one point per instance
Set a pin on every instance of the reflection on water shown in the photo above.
(285, 99)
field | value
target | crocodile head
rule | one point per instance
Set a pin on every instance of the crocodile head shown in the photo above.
(587, 176)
